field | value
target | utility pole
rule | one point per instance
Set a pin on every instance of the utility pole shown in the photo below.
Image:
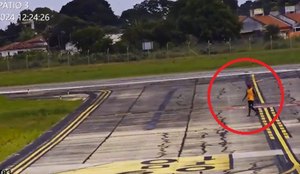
(271, 42)
(7, 63)
(48, 60)
(107, 54)
(189, 47)
(250, 45)
(69, 63)
(229, 43)
(127, 53)
(88, 57)
(58, 39)
(167, 49)
(208, 47)
(27, 63)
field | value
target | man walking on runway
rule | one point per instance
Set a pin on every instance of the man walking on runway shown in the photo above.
(250, 94)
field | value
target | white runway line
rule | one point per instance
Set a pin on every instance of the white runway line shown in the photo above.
(141, 82)
(255, 154)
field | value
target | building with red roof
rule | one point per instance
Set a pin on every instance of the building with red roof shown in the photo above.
(249, 25)
(271, 20)
(242, 18)
(36, 44)
(294, 16)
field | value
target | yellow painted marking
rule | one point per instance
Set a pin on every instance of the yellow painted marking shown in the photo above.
(280, 124)
(59, 137)
(161, 166)
(262, 116)
(281, 139)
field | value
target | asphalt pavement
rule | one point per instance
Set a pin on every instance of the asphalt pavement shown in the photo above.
(165, 127)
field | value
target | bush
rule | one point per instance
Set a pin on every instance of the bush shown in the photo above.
(271, 30)
(297, 38)
(276, 45)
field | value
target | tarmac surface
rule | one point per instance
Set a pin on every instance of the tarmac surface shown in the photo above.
(166, 127)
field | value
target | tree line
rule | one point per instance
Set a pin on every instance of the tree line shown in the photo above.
(86, 22)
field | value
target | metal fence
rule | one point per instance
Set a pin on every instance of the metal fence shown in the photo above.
(35, 60)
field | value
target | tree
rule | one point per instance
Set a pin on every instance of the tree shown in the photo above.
(2, 37)
(165, 32)
(267, 6)
(48, 17)
(272, 31)
(159, 32)
(205, 19)
(59, 34)
(26, 34)
(232, 4)
(12, 33)
(147, 11)
(95, 11)
(40, 26)
(138, 32)
(91, 40)
(293, 2)
(148, 21)
(131, 16)
(157, 8)
(245, 8)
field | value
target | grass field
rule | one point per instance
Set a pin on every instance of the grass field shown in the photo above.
(22, 121)
(140, 68)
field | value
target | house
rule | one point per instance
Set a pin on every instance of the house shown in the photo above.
(283, 26)
(257, 12)
(294, 20)
(71, 48)
(37, 43)
(295, 17)
(288, 20)
(249, 25)
(258, 21)
(294, 34)
(297, 8)
(114, 37)
(289, 9)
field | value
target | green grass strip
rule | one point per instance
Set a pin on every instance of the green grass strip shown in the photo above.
(22, 121)
(141, 68)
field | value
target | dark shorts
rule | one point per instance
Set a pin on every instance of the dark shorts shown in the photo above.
(251, 103)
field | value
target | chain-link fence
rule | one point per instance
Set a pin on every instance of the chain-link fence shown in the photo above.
(32, 60)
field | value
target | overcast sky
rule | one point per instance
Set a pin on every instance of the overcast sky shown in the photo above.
(117, 5)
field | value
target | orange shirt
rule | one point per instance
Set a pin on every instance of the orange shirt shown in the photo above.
(250, 94)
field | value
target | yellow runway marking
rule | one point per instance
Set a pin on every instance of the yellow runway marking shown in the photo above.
(263, 118)
(286, 149)
(280, 124)
(21, 166)
(162, 166)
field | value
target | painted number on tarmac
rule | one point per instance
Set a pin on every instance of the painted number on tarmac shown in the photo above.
(162, 166)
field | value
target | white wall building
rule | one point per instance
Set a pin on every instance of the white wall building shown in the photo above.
(71, 48)
(250, 25)
(35, 44)
(114, 37)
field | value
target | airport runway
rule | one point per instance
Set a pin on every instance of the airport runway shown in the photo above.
(166, 127)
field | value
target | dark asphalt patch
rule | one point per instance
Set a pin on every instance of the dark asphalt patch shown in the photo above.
(156, 117)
